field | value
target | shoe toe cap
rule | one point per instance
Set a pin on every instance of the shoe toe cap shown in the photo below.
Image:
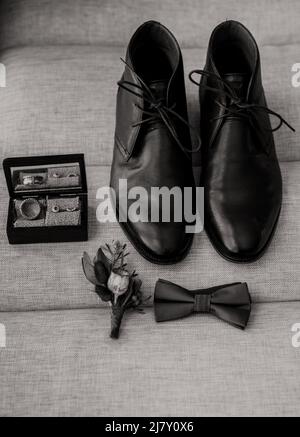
(164, 242)
(243, 241)
(241, 237)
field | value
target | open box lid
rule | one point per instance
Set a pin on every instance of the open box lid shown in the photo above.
(32, 175)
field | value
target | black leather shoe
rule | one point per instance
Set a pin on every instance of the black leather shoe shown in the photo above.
(240, 170)
(152, 138)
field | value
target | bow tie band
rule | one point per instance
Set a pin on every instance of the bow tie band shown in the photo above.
(229, 302)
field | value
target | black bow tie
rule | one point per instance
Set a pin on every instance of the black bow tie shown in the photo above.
(231, 302)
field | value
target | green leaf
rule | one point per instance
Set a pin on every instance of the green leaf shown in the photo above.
(101, 272)
(89, 270)
(103, 258)
(137, 283)
(103, 293)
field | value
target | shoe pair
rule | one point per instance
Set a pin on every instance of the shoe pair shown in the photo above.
(239, 167)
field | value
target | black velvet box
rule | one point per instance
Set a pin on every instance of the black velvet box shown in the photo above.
(48, 199)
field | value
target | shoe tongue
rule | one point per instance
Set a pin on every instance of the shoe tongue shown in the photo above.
(239, 82)
(159, 88)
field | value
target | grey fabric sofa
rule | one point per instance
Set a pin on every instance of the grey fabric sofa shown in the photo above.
(62, 65)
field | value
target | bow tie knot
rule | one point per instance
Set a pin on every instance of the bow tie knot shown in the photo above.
(202, 303)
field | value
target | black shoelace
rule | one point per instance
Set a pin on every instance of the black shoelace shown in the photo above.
(157, 109)
(236, 106)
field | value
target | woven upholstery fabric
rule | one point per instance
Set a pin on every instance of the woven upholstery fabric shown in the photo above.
(50, 276)
(64, 363)
(61, 99)
(111, 22)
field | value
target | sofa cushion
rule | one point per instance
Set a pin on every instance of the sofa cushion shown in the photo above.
(61, 99)
(50, 275)
(111, 22)
(64, 363)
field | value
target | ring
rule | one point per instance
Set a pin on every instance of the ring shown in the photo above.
(30, 208)
(28, 180)
(32, 180)
(55, 209)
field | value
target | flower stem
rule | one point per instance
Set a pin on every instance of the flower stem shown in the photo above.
(117, 314)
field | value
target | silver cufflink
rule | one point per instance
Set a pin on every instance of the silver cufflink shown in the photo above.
(55, 209)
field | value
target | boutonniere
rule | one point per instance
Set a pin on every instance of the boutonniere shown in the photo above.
(113, 282)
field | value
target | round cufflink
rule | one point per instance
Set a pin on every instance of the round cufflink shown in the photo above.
(55, 208)
(30, 209)
(55, 175)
